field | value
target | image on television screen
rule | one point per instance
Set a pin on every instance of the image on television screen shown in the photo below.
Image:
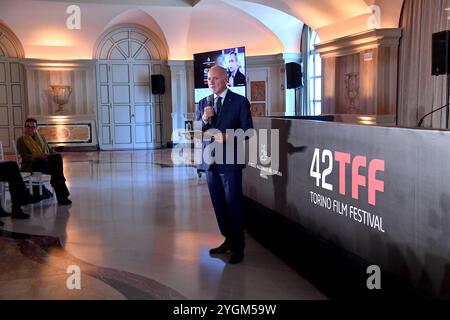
(232, 59)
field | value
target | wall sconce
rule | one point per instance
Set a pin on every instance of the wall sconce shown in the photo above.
(60, 95)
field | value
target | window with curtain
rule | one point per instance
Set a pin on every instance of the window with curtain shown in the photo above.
(314, 76)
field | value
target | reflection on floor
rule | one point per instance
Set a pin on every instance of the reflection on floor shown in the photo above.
(139, 228)
(43, 269)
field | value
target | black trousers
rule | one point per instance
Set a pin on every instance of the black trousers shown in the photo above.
(9, 172)
(225, 190)
(53, 166)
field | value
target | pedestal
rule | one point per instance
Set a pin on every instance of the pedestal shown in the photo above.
(69, 130)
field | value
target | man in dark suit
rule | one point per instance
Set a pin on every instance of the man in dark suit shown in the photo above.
(221, 111)
(235, 77)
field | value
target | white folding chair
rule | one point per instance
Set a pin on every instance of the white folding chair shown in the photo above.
(36, 178)
(4, 187)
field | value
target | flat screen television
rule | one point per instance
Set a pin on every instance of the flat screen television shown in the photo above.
(232, 59)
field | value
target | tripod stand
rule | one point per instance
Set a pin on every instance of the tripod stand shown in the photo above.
(447, 101)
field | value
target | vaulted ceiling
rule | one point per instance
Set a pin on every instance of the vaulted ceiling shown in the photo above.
(188, 26)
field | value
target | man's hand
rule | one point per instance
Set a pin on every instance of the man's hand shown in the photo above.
(208, 113)
(220, 137)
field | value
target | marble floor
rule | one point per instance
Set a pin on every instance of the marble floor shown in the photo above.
(139, 228)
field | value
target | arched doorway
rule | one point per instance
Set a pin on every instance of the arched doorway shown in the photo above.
(12, 95)
(129, 115)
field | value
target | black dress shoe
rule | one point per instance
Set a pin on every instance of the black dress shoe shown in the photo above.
(19, 214)
(32, 199)
(3, 213)
(236, 257)
(223, 248)
(64, 202)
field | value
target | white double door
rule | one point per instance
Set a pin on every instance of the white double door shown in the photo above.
(129, 116)
(12, 102)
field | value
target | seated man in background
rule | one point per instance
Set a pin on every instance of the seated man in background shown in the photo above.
(38, 156)
(9, 172)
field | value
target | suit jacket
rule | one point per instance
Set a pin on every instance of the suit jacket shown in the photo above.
(239, 79)
(235, 114)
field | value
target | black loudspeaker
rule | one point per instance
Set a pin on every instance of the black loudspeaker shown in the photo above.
(293, 75)
(158, 86)
(440, 57)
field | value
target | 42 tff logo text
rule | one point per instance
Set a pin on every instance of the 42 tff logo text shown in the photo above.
(344, 161)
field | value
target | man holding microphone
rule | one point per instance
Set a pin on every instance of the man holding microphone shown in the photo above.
(224, 110)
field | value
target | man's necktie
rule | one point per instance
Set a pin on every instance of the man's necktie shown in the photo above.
(218, 105)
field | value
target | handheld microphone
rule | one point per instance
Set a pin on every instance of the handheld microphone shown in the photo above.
(211, 103)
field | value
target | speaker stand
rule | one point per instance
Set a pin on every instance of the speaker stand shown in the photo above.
(160, 120)
(447, 101)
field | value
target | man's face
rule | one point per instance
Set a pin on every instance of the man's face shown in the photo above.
(220, 60)
(30, 128)
(232, 62)
(217, 80)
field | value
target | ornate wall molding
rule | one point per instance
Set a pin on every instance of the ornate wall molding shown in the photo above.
(359, 42)
(79, 74)
(10, 45)
(359, 75)
(130, 41)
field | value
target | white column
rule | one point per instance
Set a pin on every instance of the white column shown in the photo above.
(182, 93)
